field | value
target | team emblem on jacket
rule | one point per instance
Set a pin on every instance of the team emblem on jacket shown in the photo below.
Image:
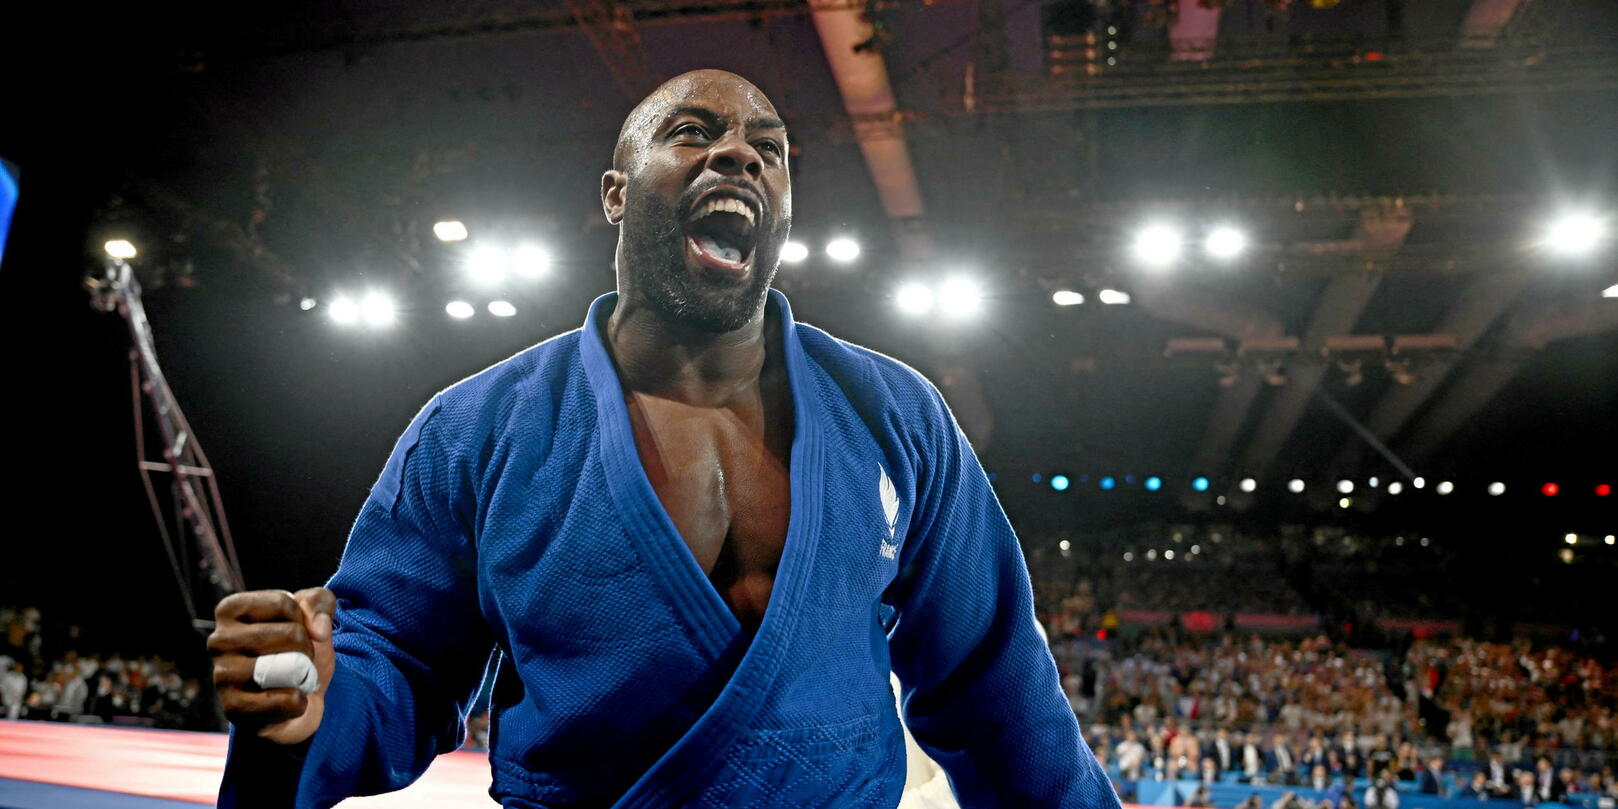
(890, 509)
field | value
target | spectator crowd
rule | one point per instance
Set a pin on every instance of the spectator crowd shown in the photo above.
(53, 676)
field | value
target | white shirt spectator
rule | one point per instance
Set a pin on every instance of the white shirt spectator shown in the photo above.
(1131, 754)
(13, 690)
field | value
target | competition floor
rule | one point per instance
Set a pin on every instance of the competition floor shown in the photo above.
(50, 765)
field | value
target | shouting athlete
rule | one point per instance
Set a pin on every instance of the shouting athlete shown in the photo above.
(691, 539)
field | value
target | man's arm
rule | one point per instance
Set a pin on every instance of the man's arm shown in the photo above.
(981, 691)
(410, 641)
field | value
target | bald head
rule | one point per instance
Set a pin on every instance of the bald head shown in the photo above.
(679, 91)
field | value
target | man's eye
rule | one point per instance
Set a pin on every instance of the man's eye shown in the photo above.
(772, 146)
(689, 129)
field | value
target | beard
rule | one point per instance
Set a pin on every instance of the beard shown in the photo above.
(655, 255)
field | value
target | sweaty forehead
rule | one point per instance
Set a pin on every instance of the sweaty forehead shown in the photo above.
(723, 93)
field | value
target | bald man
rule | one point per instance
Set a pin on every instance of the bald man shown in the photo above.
(691, 539)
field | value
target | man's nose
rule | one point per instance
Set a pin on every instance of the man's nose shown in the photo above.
(733, 155)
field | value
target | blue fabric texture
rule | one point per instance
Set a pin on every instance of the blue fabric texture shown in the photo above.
(514, 527)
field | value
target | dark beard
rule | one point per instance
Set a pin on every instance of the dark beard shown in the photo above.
(654, 250)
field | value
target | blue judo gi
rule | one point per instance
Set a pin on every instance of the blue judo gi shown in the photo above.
(514, 527)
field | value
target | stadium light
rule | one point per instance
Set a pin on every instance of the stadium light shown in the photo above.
(377, 309)
(460, 310)
(1295, 486)
(1345, 502)
(1445, 487)
(307, 303)
(502, 308)
(1112, 296)
(530, 261)
(1108, 483)
(1575, 234)
(1571, 539)
(1550, 489)
(794, 252)
(119, 248)
(1395, 487)
(960, 297)
(1154, 483)
(1610, 292)
(343, 311)
(1345, 486)
(1610, 539)
(488, 265)
(1420, 483)
(1199, 483)
(1067, 297)
(1064, 545)
(1157, 245)
(1059, 483)
(1248, 484)
(914, 298)
(1497, 488)
(450, 230)
(1225, 243)
(1603, 489)
(843, 249)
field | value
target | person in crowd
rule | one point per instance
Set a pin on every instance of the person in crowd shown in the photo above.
(1209, 772)
(1315, 753)
(1526, 793)
(1432, 776)
(1279, 766)
(1319, 778)
(1547, 786)
(1131, 755)
(1252, 758)
(1223, 751)
(1478, 788)
(1500, 778)
(1381, 794)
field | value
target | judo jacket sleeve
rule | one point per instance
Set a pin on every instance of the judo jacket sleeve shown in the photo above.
(980, 690)
(410, 641)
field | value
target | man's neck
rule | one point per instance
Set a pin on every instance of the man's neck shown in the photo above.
(658, 355)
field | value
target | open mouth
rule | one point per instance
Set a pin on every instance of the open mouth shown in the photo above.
(721, 233)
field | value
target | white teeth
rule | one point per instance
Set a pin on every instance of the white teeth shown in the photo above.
(728, 205)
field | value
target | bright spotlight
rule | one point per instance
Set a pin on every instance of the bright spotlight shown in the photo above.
(960, 297)
(377, 309)
(1571, 539)
(1610, 539)
(794, 252)
(530, 261)
(460, 310)
(1420, 483)
(1200, 484)
(307, 303)
(1113, 296)
(1248, 484)
(1157, 245)
(1550, 489)
(450, 230)
(1059, 482)
(1445, 487)
(1064, 545)
(1575, 234)
(914, 298)
(344, 311)
(119, 248)
(1295, 486)
(1154, 483)
(1169, 554)
(1107, 483)
(502, 308)
(1345, 486)
(1225, 243)
(1395, 487)
(488, 265)
(1067, 297)
(1345, 502)
(1497, 488)
(843, 250)
(1610, 292)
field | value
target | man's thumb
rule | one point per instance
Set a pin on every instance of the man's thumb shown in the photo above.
(319, 604)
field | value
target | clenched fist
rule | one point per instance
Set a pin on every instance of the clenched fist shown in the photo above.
(253, 624)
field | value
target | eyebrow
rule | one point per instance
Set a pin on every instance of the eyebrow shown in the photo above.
(714, 118)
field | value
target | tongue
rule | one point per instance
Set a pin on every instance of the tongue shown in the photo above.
(718, 249)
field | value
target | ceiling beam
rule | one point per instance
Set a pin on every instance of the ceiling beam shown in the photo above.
(611, 29)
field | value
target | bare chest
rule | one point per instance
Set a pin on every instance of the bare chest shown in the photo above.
(722, 475)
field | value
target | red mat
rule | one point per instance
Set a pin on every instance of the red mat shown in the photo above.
(184, 766)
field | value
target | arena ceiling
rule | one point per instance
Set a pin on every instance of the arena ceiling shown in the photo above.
(1394, 164)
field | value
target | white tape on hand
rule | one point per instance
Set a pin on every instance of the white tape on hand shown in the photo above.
(286, 670)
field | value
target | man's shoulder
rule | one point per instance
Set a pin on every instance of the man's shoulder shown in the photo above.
(539, 366)
(868, 371)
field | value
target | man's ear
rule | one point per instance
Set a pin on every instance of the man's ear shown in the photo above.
(612, 195)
